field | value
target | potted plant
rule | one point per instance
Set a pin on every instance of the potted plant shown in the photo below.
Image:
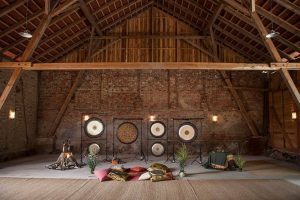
(240, 162)
(92, 162)
(182, 155)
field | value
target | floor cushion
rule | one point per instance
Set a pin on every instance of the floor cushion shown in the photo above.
(138, 169)
(158, 166)
(101, 174)
(145, 176)
(118, 176)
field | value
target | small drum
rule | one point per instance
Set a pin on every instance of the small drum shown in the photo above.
(157, 149)
(127, 133)
(94, 149)
(187, 132)
(158, 129)
(94, 127)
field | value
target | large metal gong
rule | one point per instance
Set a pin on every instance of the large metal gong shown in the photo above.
(94, 127)
(157, 149)
(94, 149)
(127, 133)
(158, 129)
(187, 132)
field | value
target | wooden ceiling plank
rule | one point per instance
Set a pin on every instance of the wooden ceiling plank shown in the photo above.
(57, 45)
(176, 15)
(289, 5)
(277, 20)
(11, 7)
(86, 11)
(21, 23)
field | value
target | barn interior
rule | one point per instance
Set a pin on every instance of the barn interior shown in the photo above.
(132, 82)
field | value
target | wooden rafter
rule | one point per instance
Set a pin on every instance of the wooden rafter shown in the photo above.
(202, 49)
(232, 90)
(11, 83)
(62, 7)
(155, 65)
(250, 22)
(289, 5)
(169, 11)
(214, 17)
(37, 35)
(154, 36)
(266, 14)
(86, 11)
(291, 86)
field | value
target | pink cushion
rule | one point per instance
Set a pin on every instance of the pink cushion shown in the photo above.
(101, 174)
(138, 169)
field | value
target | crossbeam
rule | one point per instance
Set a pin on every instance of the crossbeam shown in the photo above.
(151, 65)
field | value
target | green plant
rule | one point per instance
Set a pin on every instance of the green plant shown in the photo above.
(92, 162)
(182, 155)
(240, 162)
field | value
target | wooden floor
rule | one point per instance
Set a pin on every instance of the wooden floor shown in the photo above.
(20, 188)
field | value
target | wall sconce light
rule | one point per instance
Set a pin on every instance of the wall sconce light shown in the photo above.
(214, 118)
(152, 118)
(12, 114)
(294, 115)
(86, 117)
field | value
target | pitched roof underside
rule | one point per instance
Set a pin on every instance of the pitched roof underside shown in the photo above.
(70, 29)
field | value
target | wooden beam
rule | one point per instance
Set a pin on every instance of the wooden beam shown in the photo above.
(62, 7)
(266, 14)
(82, 31)
(233, 92)
(10, 85)
(198, 47)
(155, 65)
(277, 20)
(253, 6)
(11, 7)
(289, 5)
(268, 42)
(291, 86)
(63, 108)
(47, 6)
(147, 36)
(215, 16)
(249, 21)
(86, 11)
(151, 65)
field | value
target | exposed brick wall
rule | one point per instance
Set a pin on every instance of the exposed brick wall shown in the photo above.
(18, 136)
(133, 93)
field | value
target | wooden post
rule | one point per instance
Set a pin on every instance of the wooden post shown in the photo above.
(291, 86)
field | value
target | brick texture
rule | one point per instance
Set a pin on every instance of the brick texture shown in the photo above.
(133, 93)
(18, 136)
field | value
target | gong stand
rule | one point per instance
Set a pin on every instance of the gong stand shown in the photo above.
(129, 120)
(151, 139)
(199, 131)
(87, 140)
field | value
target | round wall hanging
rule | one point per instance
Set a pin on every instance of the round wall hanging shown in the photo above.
(127, 133)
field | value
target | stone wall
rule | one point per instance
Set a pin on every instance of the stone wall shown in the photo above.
(139, 93)
(17, 137)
